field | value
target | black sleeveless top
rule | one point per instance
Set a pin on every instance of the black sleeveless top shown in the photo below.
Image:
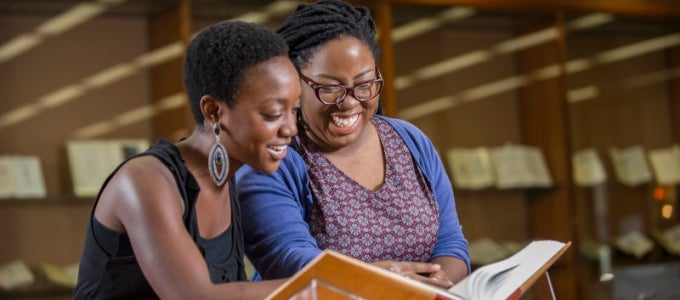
(108, 267)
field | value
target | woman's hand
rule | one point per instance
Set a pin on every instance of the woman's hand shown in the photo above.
(441, 279)
(424, 272)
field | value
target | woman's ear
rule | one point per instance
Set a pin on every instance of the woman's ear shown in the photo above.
(211, 108)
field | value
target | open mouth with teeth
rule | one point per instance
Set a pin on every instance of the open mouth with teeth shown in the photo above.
(278, 149)
(345, 122)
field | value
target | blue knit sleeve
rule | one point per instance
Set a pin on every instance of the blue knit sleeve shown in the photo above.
(450, 238)
(274, 209)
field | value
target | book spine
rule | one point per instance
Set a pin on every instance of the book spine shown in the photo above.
(515, 295)
(439, 296)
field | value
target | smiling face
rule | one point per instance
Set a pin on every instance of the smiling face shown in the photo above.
(344, 61)
(261, 124)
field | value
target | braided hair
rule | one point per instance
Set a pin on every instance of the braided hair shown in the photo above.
(218, 57)
(312, 25)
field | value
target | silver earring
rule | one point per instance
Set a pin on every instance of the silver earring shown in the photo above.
(218, 161)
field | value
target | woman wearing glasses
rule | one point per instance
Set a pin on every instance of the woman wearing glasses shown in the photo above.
(362, 184)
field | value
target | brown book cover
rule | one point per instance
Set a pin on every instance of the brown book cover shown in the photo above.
(332, 275)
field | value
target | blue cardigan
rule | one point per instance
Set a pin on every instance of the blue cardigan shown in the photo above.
(275, 209)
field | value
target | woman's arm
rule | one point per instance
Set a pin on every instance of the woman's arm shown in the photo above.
(142, 199)
(274, 209)
(451, 249)
(451, 242)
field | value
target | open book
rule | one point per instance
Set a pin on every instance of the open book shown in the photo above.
(510, 277)
(349, 278)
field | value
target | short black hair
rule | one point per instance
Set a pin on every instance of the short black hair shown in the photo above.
(312, 25)
(217, 58)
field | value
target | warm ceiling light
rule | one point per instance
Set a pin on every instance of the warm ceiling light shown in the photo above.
(414, 28)
(80, 14)
(135, 115)
(71, 18)
(281, 7)
(639, 48)
(584, 93)
(18, 45)
(424, 25)
(96, 129)
(130, 117)
(589, 21)
(527, 40)
(577, 65)
(171, 102)
(443, 67)
(653, 78)
(494, 88)
(428, 107)
(163, 54)
(469, 59)
(18, 115)
(262, 16)
(60, 96)
(110, 75)
(67, 20)
(546, 72)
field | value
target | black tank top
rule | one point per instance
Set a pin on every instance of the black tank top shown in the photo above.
(108, 267)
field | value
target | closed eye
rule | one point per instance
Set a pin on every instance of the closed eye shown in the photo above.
(364, 86)
(272, 117)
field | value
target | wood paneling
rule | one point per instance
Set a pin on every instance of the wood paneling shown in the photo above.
(166, 79)
(544, 125)
(657, 8)
(383, 17)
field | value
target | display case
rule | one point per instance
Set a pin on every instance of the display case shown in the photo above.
(70, 72)
(622, 81)
(575, 85)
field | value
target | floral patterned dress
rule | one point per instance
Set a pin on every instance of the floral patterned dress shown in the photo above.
(397, 222)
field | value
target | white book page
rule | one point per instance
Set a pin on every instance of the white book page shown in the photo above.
(15, 274)
(666, 165)
(29, 179)
(537, 167)
(92, 161)
(520, 167)
(516, 269)
(630, 165)
(479, 280)
(588, 168)
(510, 168)
(530, 259)
(491, 278)
(471, 167)
(7, 185)
(460, 290)
(634, 243)
(672, 239)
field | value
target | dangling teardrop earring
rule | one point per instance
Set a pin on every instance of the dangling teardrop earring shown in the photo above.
(218, 161)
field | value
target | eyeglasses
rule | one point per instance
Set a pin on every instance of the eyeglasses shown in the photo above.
(336, 93)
